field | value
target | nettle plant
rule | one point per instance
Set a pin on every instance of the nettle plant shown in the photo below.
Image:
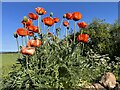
(46, 61)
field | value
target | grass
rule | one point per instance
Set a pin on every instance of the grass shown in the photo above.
(7, 60)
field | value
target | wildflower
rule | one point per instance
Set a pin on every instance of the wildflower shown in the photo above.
(48, 21)
(76, 16)
(22, 32)
(65, 23)
(34, 43)
(82, 25)
(33, 16)
(40, 11)
(28, 50)
(83, 38)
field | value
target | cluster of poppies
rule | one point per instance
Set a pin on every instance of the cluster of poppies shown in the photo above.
(82, 37)
(77, 16)
(30, 29)
(30, 47)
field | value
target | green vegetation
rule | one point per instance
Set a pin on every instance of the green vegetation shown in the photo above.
(8, 59)
(56, 65)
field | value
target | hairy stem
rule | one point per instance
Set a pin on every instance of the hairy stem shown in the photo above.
(18, 47)
(74, 31)
(22, 41)
(54, 28)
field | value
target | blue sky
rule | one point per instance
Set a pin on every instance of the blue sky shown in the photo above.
(12, 14)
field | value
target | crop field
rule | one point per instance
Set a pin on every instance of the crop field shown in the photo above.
(7, 59)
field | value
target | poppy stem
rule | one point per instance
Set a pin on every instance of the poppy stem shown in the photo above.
(61, 23)
(26, 40)
(27, 62)
(66, 36)
(81, 31)
(74, 30)
(54, 28)
(47, 31)
(18, 47)
(25, 33)
(28, 37)
(22, 41)
(39, 24)
(83, 49)
(57, 33)
(44, 27)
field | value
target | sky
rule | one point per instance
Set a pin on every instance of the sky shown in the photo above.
(13, 13)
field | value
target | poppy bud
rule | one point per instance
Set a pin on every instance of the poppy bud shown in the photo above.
(51, 14)
(58, 29)
(20, 47)
(15, 35)
(42, 20)
(64, 16)
(35, 37)
(68, 27)
(25, 19)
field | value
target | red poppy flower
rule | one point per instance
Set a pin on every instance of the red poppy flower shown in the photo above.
(86, 38)
(82, 24)
(56, 20)
(83, 38)
(48, 21)
(33, 28)
(33, 16)
(22, 32)
(30, 28)
(65, 23)
(34, 43)
(36, 30)
(28, 23)
(31, 33)
(77, 16)
(28, 50)
(40, 11)
(69, 16)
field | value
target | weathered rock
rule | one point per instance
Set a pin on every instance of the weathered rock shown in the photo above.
(107, 82)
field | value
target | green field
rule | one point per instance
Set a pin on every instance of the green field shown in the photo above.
(7, 60)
